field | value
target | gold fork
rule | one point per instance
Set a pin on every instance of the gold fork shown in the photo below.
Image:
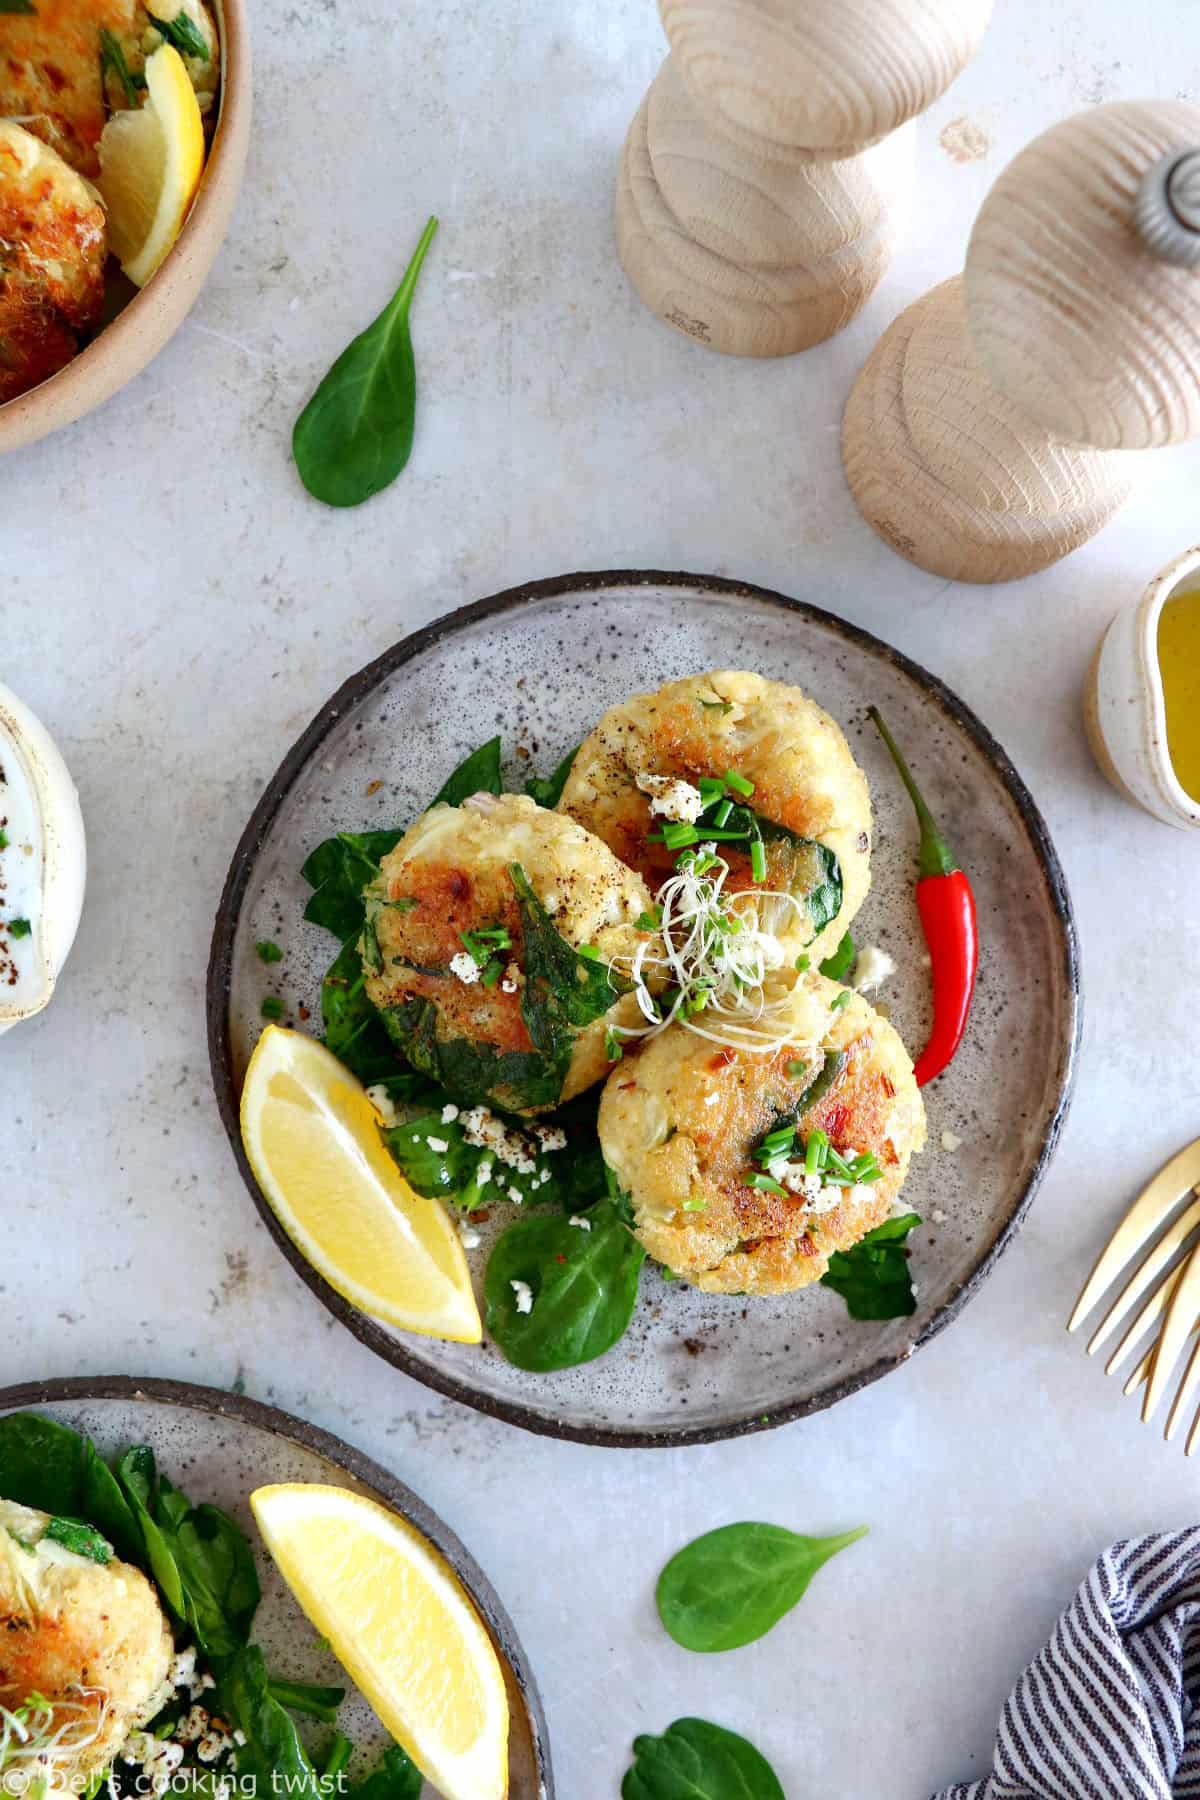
(1171, 1289)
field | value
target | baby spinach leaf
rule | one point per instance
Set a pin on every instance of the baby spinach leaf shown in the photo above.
(272, 1756)
(397, 1777)
(185, 34)
(339, 869)
(839, 966)
(353, 1029)
(80, 1539)
(478, 773)
(584, 1285)
(356, 433)
(695, 1760)
(732, 1585)
(547, 790)
(56, 1470)
(302, 1697)
(563, 990)
(468, 1071)
(873, 1278)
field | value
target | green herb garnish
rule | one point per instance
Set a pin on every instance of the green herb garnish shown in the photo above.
(268, 952)
(272, 1007)
(19, 928)
(840, 1000)
(738, 783)
(112, 59)
(83, 1540)
(614, 1049)
(356, 433)
(185, 34)
(838, 966)
(3, 833)
(547, 791)
(873, 1278)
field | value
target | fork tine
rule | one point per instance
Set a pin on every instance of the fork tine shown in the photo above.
(1158, 1259)
(1154, 1308)
(1187, 1388)
(1140, 1373)
(1177, 1327)
(1193, 1437)
(1159, 1198)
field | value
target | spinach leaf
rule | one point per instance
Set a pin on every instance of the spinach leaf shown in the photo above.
(356, 433)
(564, 991)
(694, 1760)
(302, 1697)
(185, 34)
(547, 790)
(873, 1278)
(730, 1586)
(467, 1071)
(56, 1470)
(356, 1033)
(339, 869)
(397, 1777)
(584, 1285)
(272, 1756)
(200, 1559)
(478, 773)
(81, 1539)
(839, 966)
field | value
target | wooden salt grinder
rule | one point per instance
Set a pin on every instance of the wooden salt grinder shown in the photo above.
(764, 181)
(989, 430)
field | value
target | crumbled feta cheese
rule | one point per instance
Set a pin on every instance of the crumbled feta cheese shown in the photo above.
(239, 1738)
(439, 1145)
(193, 1725)
(449, 1113)
(672, 799)
(873, 968)
(583, 1224)
(383, 1103)
(516, 1196)
(938, 1216)
(711, 1099)
(508, 985)
(550, 1137)
(471, 1239)
(483, 1173)
(524, 1295)
(550, 902)
(158, 1757)
(465, 967)
(484, 1131)
(211, 1748)
(951, 1141)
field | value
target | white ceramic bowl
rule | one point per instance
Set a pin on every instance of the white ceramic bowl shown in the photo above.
(140, 330)
(1124, 708)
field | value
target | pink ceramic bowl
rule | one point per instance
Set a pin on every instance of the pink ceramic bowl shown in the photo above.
(140, 330)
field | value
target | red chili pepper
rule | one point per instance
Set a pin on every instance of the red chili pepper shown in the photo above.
(947, 908)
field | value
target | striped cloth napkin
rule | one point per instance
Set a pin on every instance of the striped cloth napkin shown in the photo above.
(1108, 1710)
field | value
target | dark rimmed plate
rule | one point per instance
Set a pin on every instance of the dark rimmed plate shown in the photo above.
(219, 1446)
(539, 664)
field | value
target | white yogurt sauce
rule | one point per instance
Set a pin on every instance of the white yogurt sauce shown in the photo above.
(24, 975)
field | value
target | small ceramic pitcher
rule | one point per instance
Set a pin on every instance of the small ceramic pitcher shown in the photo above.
(1124, 708)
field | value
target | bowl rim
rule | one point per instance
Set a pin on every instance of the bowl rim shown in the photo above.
(1158, 591)
(21, 418)
(220, 1403)
(393, 1349)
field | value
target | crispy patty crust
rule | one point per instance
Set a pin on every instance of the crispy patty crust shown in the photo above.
(450, 875)
(679, 1125)
(805, 781)
(53, 242)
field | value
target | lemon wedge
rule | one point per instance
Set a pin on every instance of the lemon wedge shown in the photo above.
(151, 161)
(402, 1626)
(312, 1139)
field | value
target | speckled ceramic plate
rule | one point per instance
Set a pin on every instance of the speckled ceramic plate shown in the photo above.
(220, 1446)
(539, 665)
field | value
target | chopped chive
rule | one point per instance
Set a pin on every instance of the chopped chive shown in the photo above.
(838, 1163)
(492, 973)
(649, 921)
(711, 788)
(722, 813)
(19, 928)
(758, 861)
(695, 1205)
(804, 964)
(614, 1049)
(721, 706)
(720, 836)
(272, 1007)
(840, 1000)
(3, 840)
(814, 1152)
(678, 832)
(797, 1069)
(738, 783)
(590, 951)
(268, 952)
(766, 1183)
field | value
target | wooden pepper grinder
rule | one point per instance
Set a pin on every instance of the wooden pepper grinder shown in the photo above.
(764, 180)
(990, 429)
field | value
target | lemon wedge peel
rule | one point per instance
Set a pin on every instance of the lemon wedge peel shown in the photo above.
(400, 1622)
(312, 1140)
(151, 161)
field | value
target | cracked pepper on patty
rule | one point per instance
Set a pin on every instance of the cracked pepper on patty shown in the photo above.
(809, 802)
(486, 945)
(681, 1126)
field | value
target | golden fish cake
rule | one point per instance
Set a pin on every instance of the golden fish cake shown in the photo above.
(53, 243)
(469, 950)
(642, 765)
(681, 1122)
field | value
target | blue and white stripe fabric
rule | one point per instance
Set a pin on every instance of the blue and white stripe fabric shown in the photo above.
(1108, 1710)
